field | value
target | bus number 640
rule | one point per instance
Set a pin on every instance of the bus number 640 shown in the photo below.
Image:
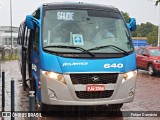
(114, 65)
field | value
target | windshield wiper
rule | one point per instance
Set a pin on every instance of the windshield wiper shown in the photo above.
(71, 47)
(106, 46)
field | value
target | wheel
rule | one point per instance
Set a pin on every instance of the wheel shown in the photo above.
(115, 106)
(24, 85)
(43, 107)
(39, 106)
(150, 70)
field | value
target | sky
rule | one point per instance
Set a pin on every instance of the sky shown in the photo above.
(143, 10)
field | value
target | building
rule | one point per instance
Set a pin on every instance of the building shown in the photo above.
(139, 41)
(5, 36)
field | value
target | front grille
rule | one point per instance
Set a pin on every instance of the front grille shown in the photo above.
(104, 78)
(94, 95)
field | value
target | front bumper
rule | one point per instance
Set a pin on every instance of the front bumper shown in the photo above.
(66, 95)
(157, 67)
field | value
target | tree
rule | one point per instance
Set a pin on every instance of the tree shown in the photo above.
(137, 32)
(126, 16)
(157, 2)
(147, 30)
(152, 38)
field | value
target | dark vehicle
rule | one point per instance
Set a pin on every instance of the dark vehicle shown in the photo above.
(149, 59)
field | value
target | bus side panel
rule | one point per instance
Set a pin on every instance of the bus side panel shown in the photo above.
(19, 46)
(36, 72)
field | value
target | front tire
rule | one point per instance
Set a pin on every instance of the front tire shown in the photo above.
(115, 106)
(39, 106)
(43, 107)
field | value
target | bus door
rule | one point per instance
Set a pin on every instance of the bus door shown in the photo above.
(35, 58)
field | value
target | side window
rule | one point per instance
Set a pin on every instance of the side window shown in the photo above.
(145, 52)
(140, 51)
(25, 37)
(20, 34)
(35, 39)
(36, 14)
(137, 51)
(23, 34)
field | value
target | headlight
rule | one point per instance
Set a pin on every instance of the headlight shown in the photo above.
(156, 61)
(129, 75)
(54, 76)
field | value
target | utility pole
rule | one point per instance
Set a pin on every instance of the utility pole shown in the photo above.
(159, 28)
(137, 41)
(11, 22)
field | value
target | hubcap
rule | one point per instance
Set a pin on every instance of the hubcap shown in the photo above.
(150, 70)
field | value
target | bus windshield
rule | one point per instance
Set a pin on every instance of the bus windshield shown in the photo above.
(87, 29)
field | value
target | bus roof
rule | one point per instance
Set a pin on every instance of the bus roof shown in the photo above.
(78, 5)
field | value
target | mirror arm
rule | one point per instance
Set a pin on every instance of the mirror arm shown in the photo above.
(36, 21)
(129, 26)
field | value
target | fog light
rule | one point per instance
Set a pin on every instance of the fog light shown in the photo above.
(131, 93)
(52, 95)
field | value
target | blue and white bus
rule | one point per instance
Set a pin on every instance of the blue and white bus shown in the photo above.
(78, 54)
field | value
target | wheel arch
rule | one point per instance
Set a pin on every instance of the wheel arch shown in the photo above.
(36, 80)
(149, 63)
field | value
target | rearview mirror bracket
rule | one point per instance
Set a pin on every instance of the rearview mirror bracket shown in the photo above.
(30, 21)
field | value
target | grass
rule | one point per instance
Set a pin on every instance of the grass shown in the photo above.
(9, 57)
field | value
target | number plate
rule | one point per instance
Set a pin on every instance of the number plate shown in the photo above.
(92, 88)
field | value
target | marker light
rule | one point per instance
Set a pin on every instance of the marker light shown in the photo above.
(55, 76)
(129, 75)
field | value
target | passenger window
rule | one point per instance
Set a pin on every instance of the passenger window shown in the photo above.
(21, 35)
(36, 14)
(145, 52)
(140, 51)
(18, 40)
(35, 39)
(25, 37)
(28, 35)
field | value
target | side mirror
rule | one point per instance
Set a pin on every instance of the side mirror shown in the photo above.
(30, 20)
(132, 24)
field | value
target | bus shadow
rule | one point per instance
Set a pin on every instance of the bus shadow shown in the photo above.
(83, 112)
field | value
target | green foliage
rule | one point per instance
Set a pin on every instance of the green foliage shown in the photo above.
(126, 16)
(147, 30)
(152, 38)
(9, 57)
(157, 2)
